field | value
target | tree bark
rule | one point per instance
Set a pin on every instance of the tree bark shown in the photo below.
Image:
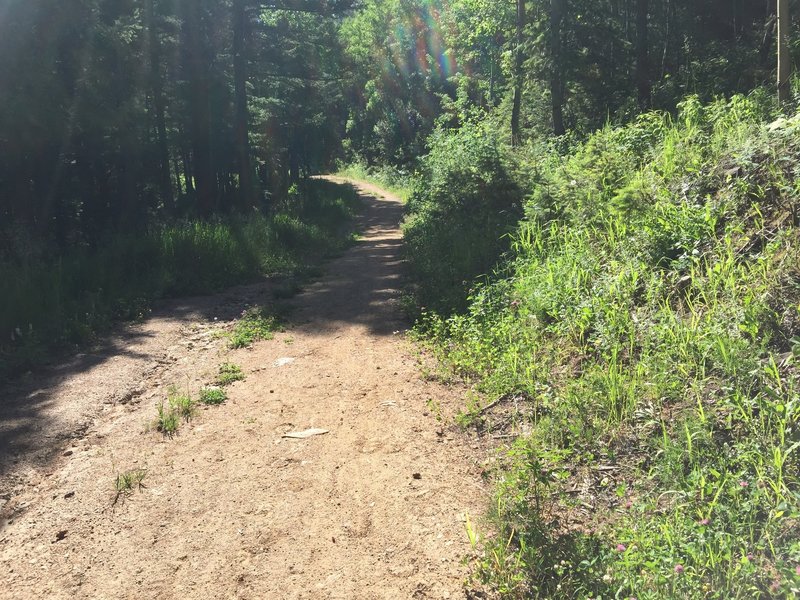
(642, 55)
(199, 108)
(519, 61)
(784, 61)
(557, 9)
(241, 125)
(159, 105)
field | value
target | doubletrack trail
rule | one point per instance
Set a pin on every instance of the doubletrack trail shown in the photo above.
(230, 508)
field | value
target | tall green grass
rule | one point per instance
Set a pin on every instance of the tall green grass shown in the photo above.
(67, 300)
(647, 322)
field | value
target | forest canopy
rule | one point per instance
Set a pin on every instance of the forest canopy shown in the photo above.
(117, 114)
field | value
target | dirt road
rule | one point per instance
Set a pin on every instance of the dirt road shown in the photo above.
(230, 508)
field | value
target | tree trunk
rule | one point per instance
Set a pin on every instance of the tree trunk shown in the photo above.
(159, 106)
(557, 9)
(784, 61)
(199, 108)
(642, 55)
(241, 126)
(519, 60)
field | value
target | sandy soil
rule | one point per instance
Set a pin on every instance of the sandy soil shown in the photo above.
(230, 508)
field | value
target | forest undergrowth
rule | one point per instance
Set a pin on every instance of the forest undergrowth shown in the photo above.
(633, 343)
(53, 303)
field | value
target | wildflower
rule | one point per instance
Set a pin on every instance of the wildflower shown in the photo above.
(679, 568)
(607, 578)
(620, 547)
(797, 569)
(750, 557)
(743, 484)
(775, 586)
(705, 521)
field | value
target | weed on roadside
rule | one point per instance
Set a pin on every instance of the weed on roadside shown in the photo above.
(213, 395)
(167, 421)
(181, 404)
(256, 323)
(125, 483)
(228, 373)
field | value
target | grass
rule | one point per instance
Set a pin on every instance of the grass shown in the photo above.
(229, 373)
(390, 179)
(181, 404)
(640, 341)
(178, 407)
(256, 323)
(52, 303)
(168, 420)
(125, 483)
(213, 395)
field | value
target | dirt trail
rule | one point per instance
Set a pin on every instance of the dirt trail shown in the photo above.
(231, 509)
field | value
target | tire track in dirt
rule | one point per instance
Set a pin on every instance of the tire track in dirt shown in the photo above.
(231, 509)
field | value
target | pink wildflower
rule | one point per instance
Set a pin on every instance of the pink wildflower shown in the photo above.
(621, 548)
(705, 521)
(679, 569)
(743, 484)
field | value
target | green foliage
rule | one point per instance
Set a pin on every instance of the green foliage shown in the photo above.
(229, 373)
(168, 420)
(256, 323)
(50, 303)
(400, 73)
(181, 404)
(179, 407)
(646, 321)
(213, 395)
(464, 202)
(128, 481)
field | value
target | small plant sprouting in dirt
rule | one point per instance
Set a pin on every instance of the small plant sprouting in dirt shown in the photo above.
(178, 406)
(168, 420)
(256, 323)
(128, 481)
(434, 408)
(213, 395)
(228, 373)
(181, 404)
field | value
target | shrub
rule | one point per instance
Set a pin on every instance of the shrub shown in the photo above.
(463, 204)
